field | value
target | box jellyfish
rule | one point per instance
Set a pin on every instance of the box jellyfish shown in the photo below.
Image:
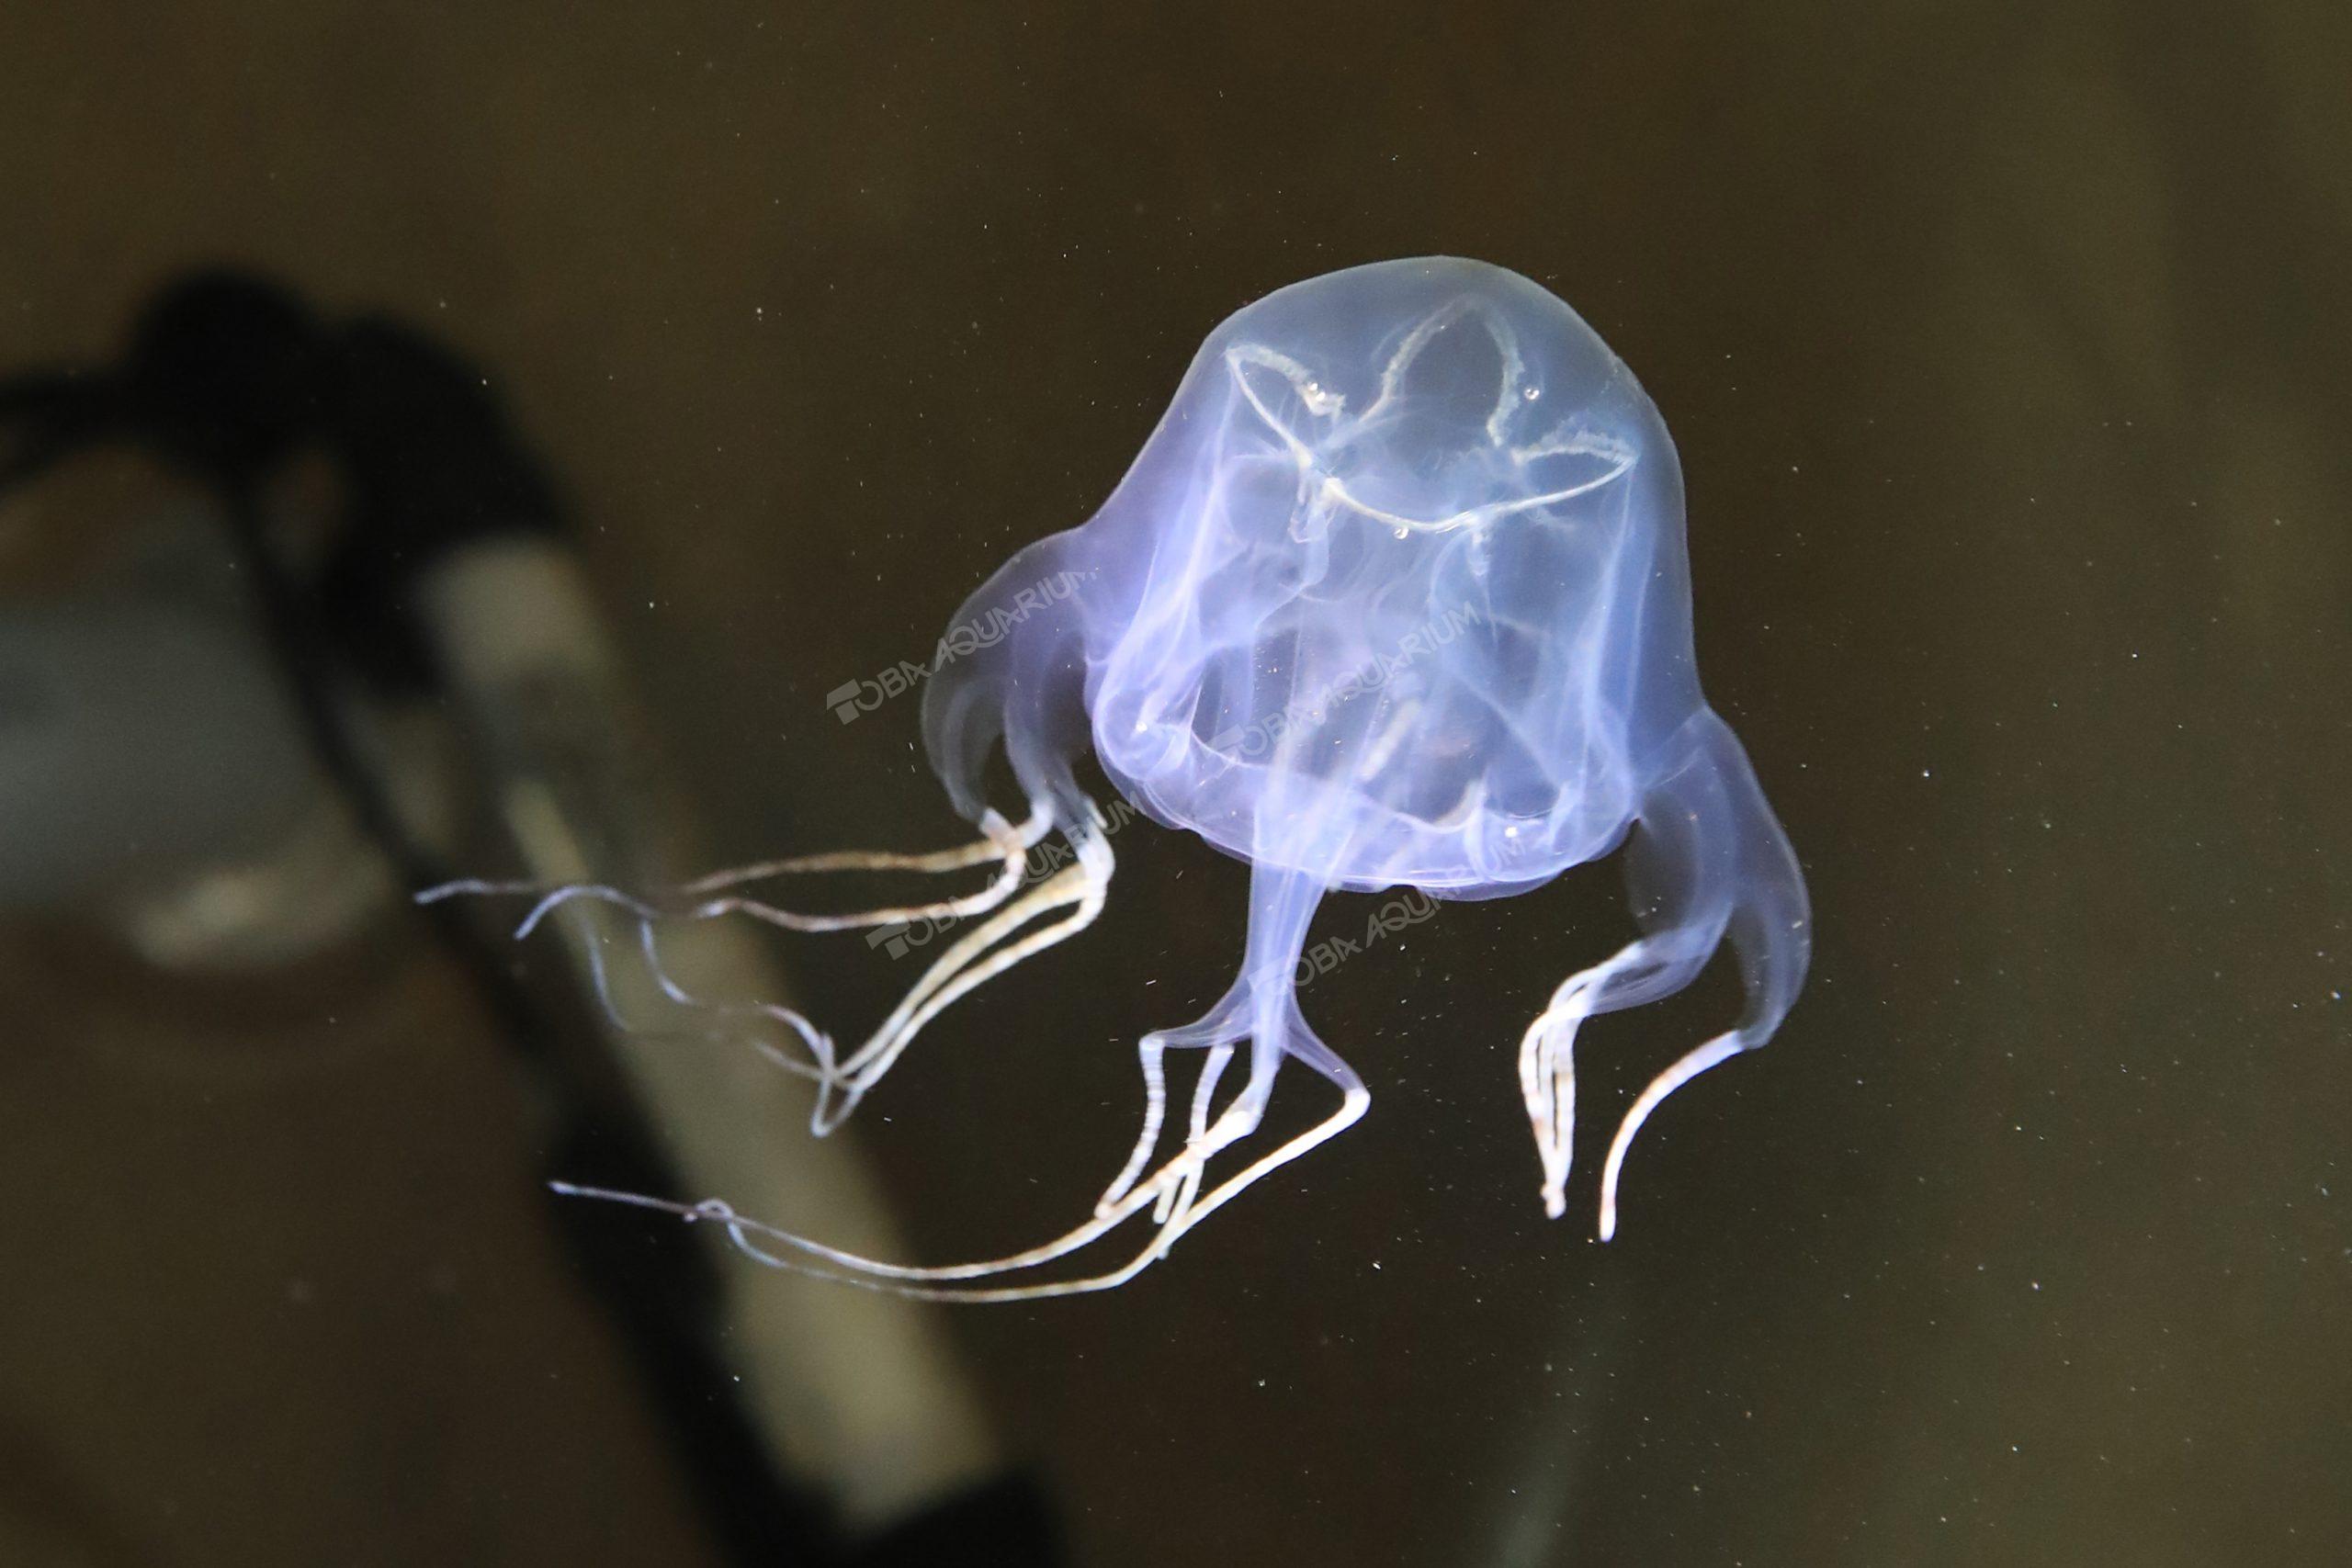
(1395, 595)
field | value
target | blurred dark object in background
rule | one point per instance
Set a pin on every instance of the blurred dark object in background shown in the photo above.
(226, 739)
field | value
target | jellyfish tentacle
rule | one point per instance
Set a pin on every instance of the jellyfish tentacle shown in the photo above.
(1205, 1138)
(963, 967)
(1643, 971)
(1355, 1100)
(999, 840)
(1287, 880)
(1175, 1199)
(590, 939)
(1707, 862)
(819, 1045)
(975, 958)
(1721, 1048)
(989, 846)
(1262, 1007)
(1212, 1029)
(1172, 1194)
(708, 896)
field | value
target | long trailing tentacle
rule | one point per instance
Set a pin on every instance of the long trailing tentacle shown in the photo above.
(708, 898)
(998, 945)
(1171, 1192)
(967, 964)
(1260, 1007)
(819, 1044)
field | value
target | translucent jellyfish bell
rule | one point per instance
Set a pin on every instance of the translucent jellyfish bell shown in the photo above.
(1395, 595)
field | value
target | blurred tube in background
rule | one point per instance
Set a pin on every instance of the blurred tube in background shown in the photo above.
(858, 1388)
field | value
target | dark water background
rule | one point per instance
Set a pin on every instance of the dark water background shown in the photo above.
(2006, 347)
